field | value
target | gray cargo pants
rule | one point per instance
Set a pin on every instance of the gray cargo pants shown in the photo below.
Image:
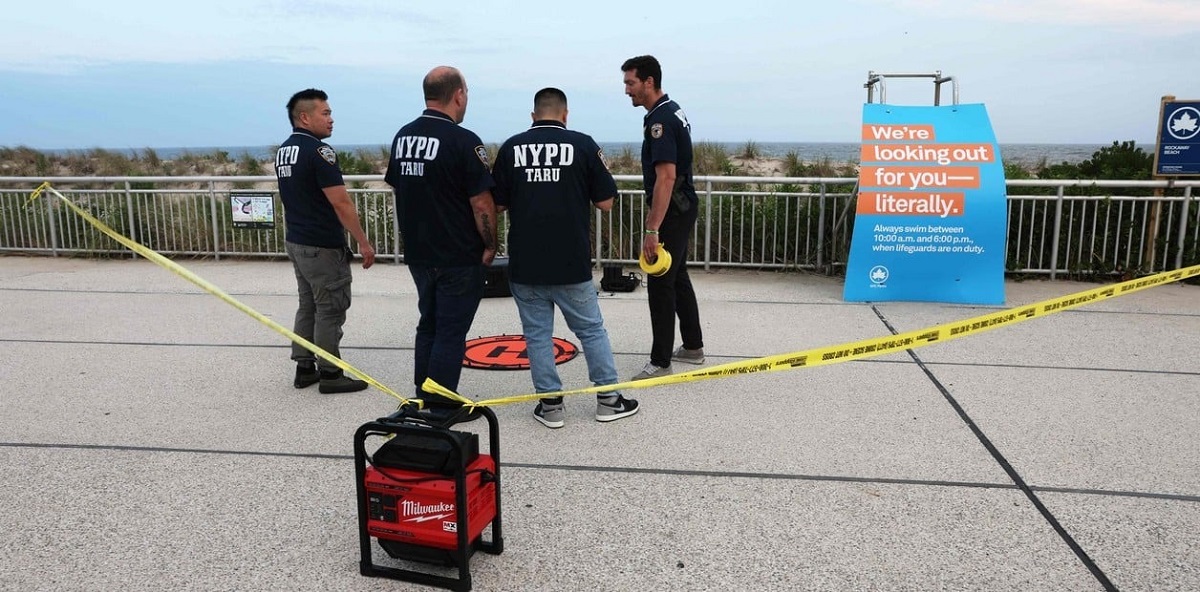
(323, 278)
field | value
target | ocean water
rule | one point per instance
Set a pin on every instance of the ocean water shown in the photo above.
(838, 152)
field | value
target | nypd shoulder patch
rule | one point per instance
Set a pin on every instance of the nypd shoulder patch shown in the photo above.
(328, 154)
(656, 130)
(481, 152)
(603, 161)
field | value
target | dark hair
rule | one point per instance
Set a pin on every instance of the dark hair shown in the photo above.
(441, 84)
(549, 100)
(644, 67)
(306, 96)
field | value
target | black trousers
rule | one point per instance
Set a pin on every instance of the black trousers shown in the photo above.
(671, 294)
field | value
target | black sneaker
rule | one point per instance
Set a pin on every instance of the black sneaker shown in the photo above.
(447, 416)
(340, 383)
(306, 376)
(551, 412)
(445, 412)
(614, 407)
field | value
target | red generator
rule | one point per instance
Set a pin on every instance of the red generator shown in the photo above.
(427, 495)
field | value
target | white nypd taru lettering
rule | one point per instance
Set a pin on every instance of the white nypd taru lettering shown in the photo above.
(542, 162)
(284, 159)
(683, 117)
(415, 147)
(422, 147)
(410, 169)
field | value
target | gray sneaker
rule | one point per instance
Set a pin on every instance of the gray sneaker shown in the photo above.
(614, 407)
(651, 371)
(688, 356)
(551, 412)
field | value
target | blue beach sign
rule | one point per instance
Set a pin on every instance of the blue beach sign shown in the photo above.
(1178, 151)
(932, 211)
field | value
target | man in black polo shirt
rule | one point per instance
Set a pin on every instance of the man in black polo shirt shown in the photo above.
(549, 178)
(318, 212)
(439, 173)
(670, 219)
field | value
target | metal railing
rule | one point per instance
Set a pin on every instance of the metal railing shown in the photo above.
(1055, 227)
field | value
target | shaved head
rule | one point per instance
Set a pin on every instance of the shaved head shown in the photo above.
(549, 103)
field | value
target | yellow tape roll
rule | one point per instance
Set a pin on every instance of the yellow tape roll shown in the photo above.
(660, 265)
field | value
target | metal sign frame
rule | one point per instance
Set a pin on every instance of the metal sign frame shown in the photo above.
(879, 80)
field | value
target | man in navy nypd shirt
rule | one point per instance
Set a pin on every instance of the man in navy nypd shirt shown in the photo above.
(439, 173)
(548, 178)
(671, 217)
(318, 212)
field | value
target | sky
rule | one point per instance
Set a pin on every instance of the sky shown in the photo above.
(130, 74)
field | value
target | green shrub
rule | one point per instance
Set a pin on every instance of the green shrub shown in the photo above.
(150, 157)
(249, 166)
(625, 163)
(710, 158)
(750, 150)
(1122, 160)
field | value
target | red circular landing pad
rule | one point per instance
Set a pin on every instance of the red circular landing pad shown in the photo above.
(507, 352)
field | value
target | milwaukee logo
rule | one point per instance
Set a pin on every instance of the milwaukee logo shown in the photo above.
(428, 517)
(411, 508)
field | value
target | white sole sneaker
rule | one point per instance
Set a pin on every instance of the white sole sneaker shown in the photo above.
(623, 408)
(552, 418)
(688, 356)
(651, 371)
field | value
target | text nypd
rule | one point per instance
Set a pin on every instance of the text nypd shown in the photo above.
(543, 162)
(412, 152)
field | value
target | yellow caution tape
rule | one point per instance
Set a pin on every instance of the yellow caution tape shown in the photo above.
(867, 348)
(219, 293)
(834, 354)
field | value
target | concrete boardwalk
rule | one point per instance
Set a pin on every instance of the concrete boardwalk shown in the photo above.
(150, 439)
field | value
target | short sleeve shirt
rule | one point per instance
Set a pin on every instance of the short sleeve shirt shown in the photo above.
(304, 167)
(667, 137)
(548, 177)
(435, 168)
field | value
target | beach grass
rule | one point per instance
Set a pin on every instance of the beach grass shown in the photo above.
(750, 150)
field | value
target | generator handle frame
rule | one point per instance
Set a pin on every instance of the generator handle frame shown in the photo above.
(407, 420)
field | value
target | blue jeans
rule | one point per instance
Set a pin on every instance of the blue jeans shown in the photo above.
(581, 309)
(447, 298)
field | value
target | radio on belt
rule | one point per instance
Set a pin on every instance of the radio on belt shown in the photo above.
(427, 495)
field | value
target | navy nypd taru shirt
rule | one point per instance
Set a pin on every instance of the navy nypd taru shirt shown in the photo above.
(305, 166)
(667, 137)
(548, 177)
(436, 167)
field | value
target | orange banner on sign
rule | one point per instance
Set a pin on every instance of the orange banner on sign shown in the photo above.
(876, 132)
(911, 203)
(908, 177)
(939, 153)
